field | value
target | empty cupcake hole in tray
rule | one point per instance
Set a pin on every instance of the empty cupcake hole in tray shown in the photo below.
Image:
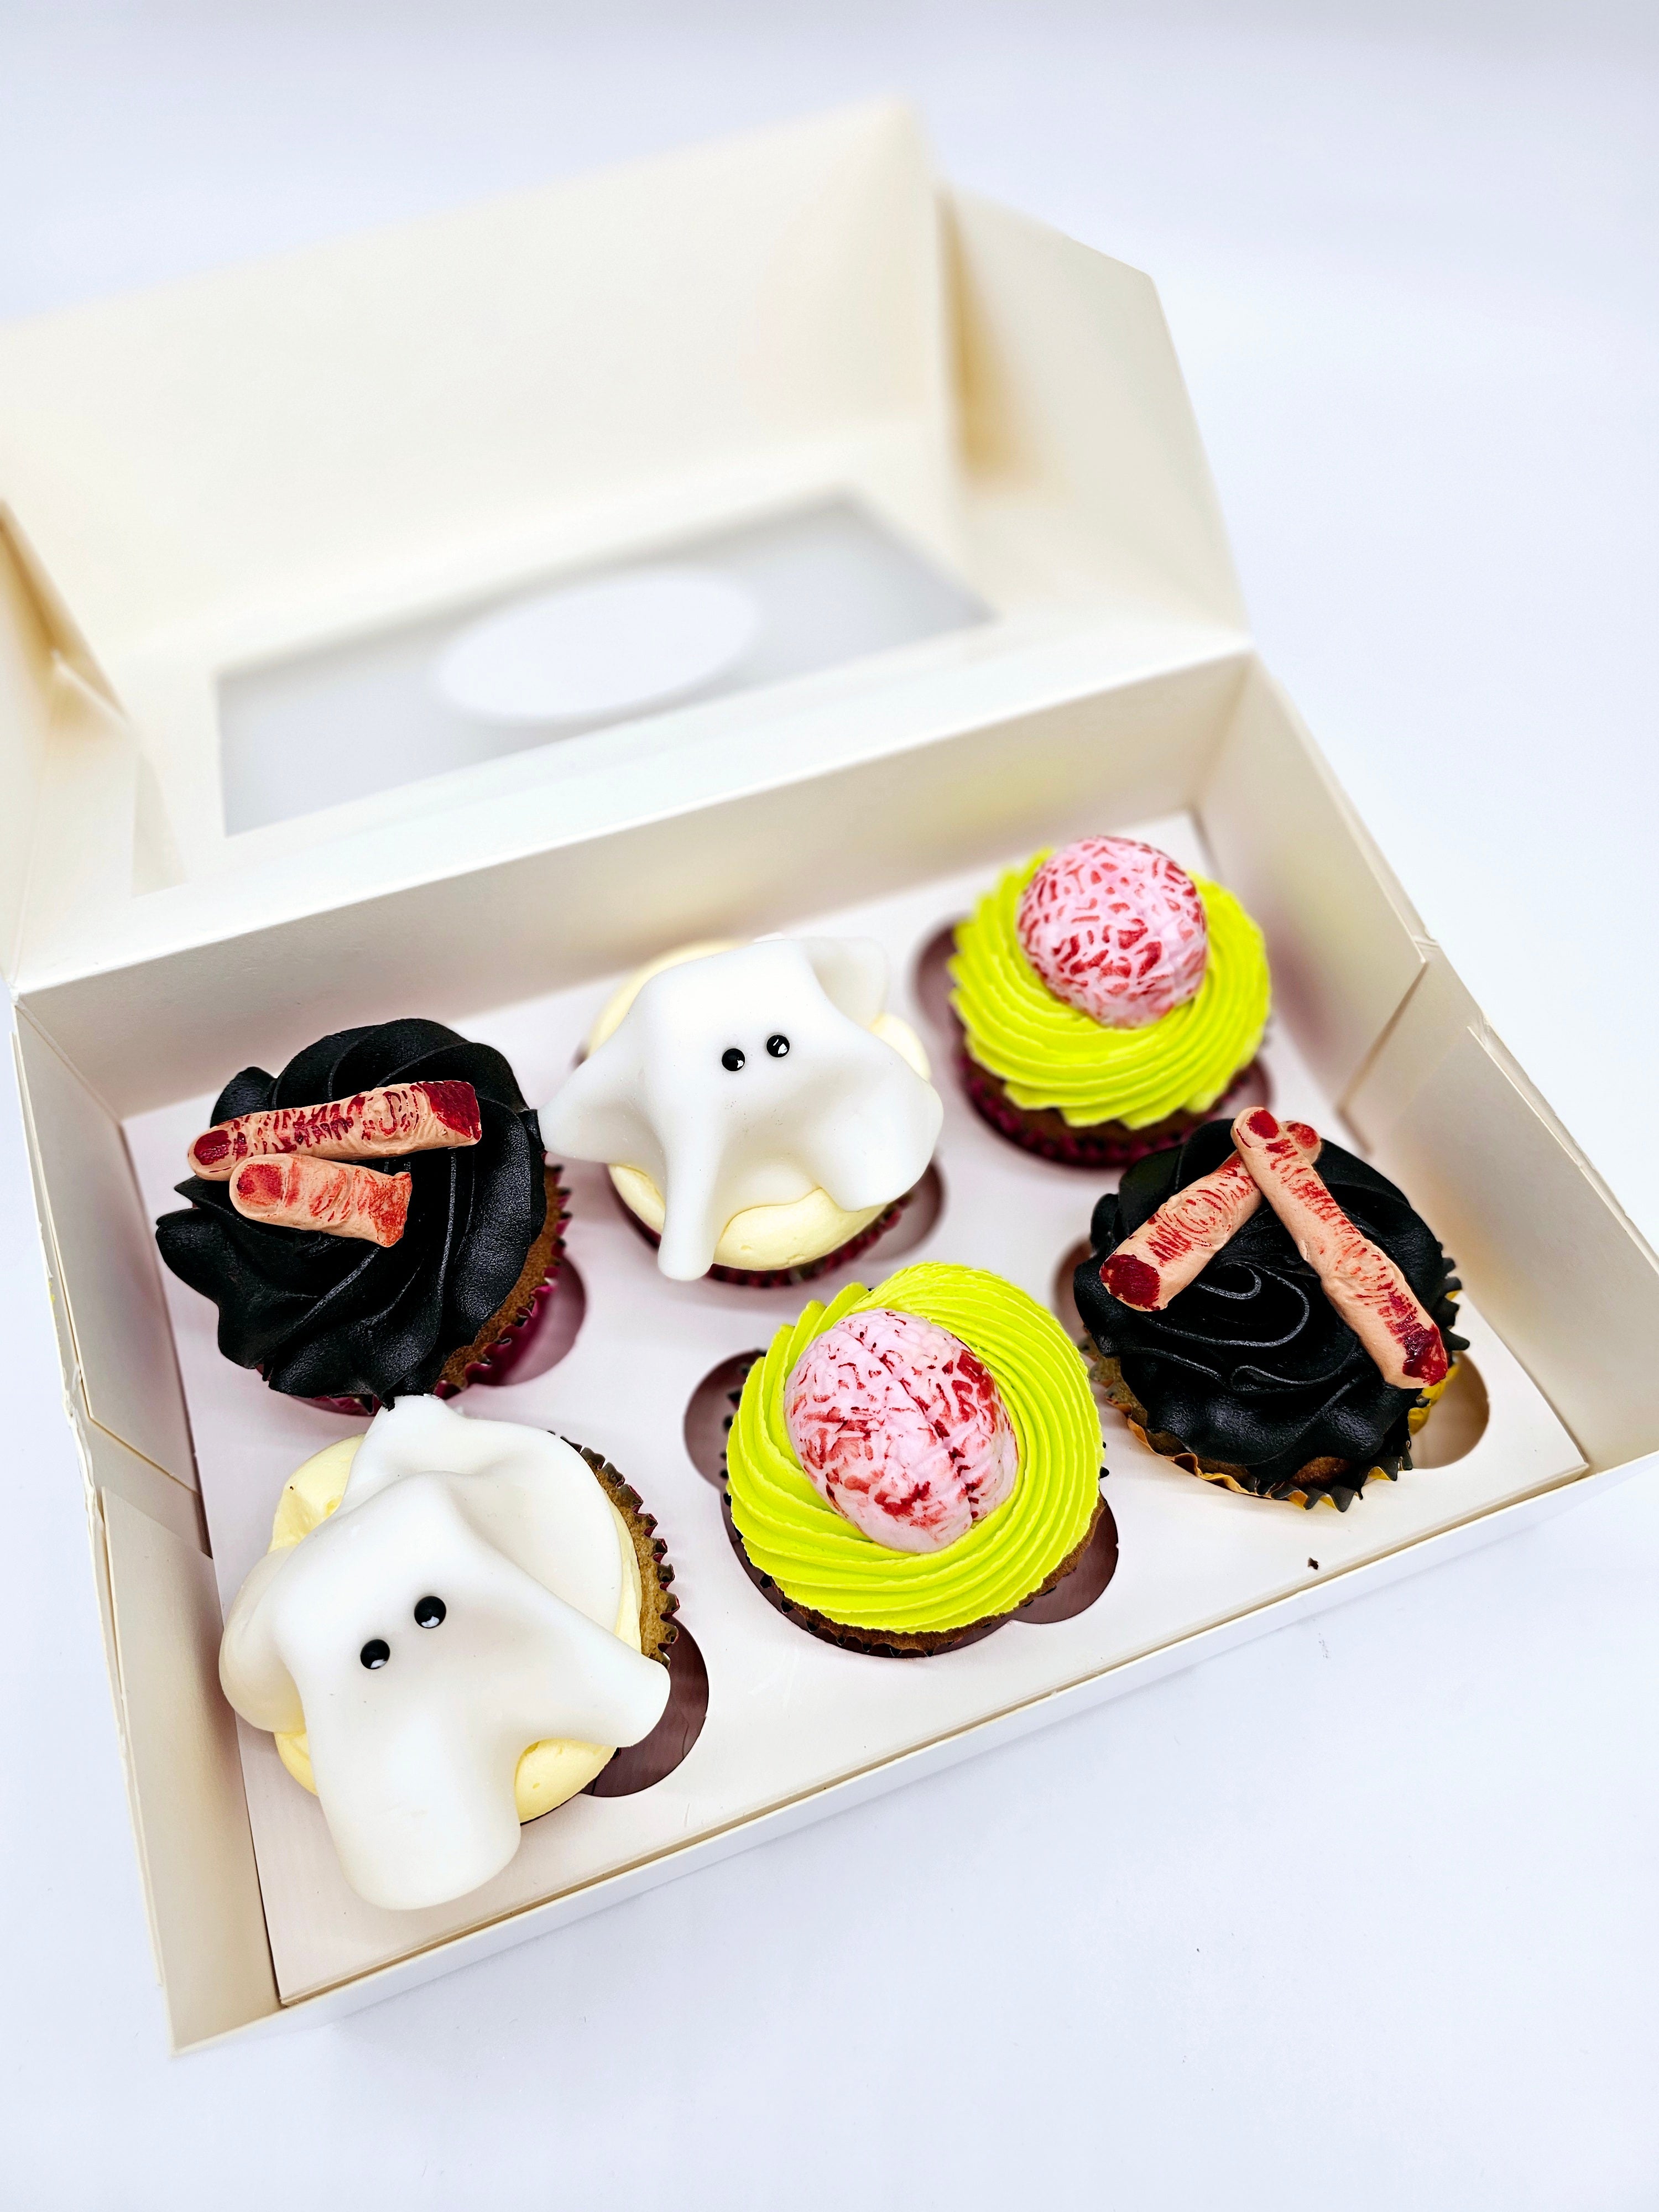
(709, 1413)
(1458, 1421)
(548, 1336)
(644, 1370)
(643, 1765)
(920, 1217)
(930, 978)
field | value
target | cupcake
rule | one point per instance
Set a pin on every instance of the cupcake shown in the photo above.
(376, 1222)
(1107, 1000)
(912, 1465)
(456, 1624)
(762, 1118)
(1269, 1311)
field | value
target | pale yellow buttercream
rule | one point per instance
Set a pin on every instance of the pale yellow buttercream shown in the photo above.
(549, 1772)
(760, 1238)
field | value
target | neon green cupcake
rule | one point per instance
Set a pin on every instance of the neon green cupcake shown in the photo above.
(1107, 1001)
(909, 1466)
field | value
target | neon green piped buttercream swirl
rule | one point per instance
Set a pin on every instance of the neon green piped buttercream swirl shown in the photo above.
(1048, 1053)
(818, 1558)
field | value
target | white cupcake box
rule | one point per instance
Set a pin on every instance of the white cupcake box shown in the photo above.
(447, 621)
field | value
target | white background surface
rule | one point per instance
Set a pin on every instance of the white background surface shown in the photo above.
(1365, 1914)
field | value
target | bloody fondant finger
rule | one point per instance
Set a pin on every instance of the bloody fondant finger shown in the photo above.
(297, 1190)
(1174, 1245)
(373, 1125)
(1362, 1283)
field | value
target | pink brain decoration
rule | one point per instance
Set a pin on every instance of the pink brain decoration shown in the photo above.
(1115, 928)
(900, 1426)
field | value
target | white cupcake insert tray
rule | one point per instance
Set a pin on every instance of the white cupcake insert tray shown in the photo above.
(788, 1715)
(383, 439)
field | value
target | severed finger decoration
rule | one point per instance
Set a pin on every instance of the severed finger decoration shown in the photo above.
(1173, 1247)
(383, 1124)
(1364, 1284)
(298, 1190)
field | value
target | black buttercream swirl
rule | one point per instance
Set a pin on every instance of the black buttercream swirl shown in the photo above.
(1251, 1366)
(324, 1317)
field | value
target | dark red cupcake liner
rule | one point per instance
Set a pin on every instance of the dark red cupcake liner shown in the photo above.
(1045, 1131)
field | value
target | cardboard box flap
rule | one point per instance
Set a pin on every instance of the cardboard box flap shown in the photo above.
(44, 659)
(238, 472)
(1564, 1272)
(336, 407)
(1072, 399)
(27, 676)
(1345, 944)
(180, 1745)
(102, 1257)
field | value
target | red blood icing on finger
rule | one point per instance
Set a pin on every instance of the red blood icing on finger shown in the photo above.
(900, 1426)
(386, 1205)
(1115, 928)
(259, 1184)
(1263, 1124)
(456, 1105)
(297, 1190)
(1132, 1280)
(1173, 1246)
(402, 1117)
(1425, 1360)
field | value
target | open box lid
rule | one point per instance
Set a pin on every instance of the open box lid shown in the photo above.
(262, 463)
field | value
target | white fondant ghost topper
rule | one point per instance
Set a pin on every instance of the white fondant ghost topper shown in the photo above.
(452, 1611)
(751, 1078)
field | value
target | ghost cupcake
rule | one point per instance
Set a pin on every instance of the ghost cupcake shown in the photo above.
(1107, 1000)
(763, 1117)
(457, 1623)
(1269, 1311)
(377, 1221)
(911, 1465)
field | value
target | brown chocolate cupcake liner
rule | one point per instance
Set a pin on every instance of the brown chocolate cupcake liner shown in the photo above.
(658, 1604)
(506, 1337)
(663, 1637)
(778, 1279)
(1076, 1582)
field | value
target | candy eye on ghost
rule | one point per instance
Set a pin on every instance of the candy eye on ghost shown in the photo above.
(375, 1653)
(734, 1057)
(430, 1611)
(854, 1118)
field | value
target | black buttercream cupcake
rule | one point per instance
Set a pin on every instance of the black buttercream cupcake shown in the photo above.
(357, 1324)
(1250, 1376)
